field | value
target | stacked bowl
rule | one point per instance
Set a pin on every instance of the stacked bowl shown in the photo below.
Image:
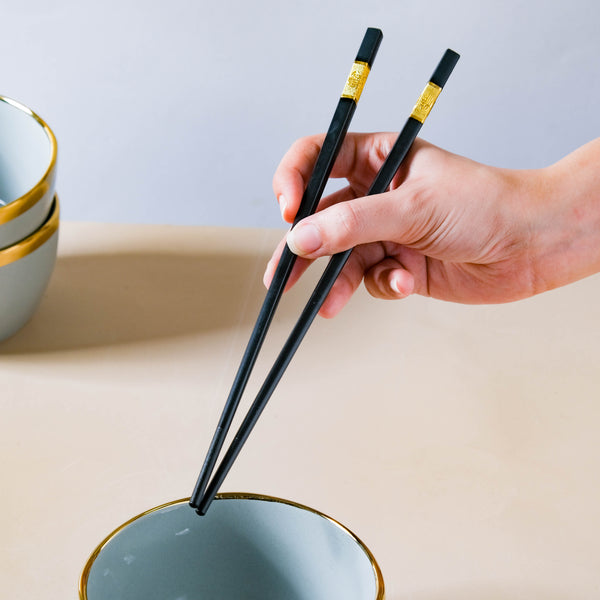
(29, 213)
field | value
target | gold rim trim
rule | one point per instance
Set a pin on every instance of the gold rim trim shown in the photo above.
(35, 240)
(20, 205)
(356, 80)
(379, 585)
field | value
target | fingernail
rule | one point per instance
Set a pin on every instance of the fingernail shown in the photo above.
(395, 285)
(282, 204)
(304, 239)
(266, 275)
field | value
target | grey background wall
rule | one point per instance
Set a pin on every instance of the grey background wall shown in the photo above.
(178, 112)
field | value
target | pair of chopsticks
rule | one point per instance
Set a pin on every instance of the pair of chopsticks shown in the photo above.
(204, 490)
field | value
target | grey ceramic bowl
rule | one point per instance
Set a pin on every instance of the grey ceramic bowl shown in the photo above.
(25, 270)
(247, 547)
(28, 153)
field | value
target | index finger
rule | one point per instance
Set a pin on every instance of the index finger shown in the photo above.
(294, 171)
(359, 159)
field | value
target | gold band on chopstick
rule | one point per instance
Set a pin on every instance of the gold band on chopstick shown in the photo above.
(356, 80)
(425, 102)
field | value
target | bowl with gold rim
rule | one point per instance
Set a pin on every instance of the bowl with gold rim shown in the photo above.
(28, 154)
(246, 547)
(25, 270)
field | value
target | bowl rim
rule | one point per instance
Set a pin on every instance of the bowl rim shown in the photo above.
(379, 584)
(31, 243)
(17, 207)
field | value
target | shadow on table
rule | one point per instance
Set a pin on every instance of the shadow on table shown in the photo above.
(104, 299)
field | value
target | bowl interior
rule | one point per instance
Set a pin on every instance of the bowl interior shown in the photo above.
(247, 548)
(26, 152)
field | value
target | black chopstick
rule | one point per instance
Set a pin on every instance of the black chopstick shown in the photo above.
(314, 190)
(380, 184)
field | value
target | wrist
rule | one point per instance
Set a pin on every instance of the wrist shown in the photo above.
(564, 219)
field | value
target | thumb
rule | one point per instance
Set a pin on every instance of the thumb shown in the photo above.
(397, 216)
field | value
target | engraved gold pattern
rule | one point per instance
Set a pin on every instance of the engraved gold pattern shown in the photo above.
(17, 207)
(356, 80)
(379, 585)
(35, 240)
(425, 102)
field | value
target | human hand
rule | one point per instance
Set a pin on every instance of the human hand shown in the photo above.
(449, 227)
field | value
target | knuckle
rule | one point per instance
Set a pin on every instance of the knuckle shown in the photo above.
(349, 221)
(379, 150)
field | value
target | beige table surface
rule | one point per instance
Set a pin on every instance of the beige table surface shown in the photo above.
(462, 444)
